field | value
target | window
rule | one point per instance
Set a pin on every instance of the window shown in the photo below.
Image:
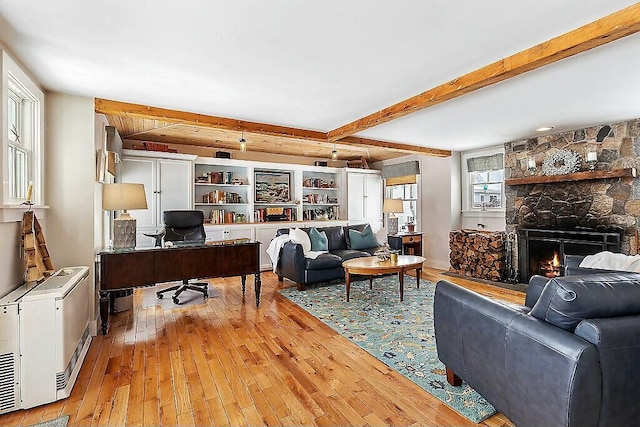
(20, 116)
(22, 112)
(409, 195)
(483, 180)
(486, 189)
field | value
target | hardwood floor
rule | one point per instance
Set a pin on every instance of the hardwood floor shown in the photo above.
(227, 363)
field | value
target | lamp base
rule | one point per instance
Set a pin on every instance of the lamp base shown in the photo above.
(392, 225)
(124, 232)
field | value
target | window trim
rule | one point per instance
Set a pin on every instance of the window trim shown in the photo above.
(14, 78)
(466, 190)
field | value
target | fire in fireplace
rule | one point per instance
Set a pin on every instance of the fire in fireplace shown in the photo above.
(551, 268)
(542, 251)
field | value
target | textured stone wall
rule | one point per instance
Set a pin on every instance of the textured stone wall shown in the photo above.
(602, 204)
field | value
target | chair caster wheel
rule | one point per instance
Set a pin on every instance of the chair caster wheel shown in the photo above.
(206, 295)
(159, 295)
(176, 300)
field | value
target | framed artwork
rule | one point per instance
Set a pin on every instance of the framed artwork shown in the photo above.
(272, 187)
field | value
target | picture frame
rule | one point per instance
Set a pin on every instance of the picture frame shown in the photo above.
(272, 187)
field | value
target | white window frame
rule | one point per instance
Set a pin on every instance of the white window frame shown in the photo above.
(15, 81)
(467, 185)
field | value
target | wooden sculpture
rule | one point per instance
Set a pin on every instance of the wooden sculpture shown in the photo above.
(39, 265)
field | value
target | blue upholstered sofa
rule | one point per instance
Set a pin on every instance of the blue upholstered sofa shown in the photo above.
(294, 266)
(568, 357)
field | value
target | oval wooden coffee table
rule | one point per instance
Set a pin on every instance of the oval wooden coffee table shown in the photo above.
(372, 266)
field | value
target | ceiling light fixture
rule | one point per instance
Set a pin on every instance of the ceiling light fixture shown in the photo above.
(334, 153)
(544, 128)
(243, 143)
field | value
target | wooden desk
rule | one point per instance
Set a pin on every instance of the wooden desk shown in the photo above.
(120, 269)
(408, 243)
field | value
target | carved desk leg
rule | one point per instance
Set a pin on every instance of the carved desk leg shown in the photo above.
(258, 287)
(244, 283)
(104, 311)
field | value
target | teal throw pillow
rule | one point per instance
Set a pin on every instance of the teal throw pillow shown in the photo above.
(364, 239)
(319, 241)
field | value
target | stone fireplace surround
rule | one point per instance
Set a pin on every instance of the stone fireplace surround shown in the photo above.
(601, 205)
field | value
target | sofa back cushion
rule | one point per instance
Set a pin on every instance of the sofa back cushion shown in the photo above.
(319, 241)
(566, 301)
(364, 239)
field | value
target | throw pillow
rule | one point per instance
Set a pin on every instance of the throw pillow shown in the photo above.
(381, 236)
(299, 236)
(319, 241)
(362, 240)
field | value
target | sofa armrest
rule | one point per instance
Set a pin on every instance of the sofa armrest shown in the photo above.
(618, 342)
(292, 262)
(572, 266)
(534, 289)
(510, 358)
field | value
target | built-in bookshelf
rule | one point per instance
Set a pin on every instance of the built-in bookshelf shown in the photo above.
(222, 191)
(321, 195)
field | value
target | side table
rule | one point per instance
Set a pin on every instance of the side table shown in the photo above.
(407, 243)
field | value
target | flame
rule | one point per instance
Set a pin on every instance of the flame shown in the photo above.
(556, 260)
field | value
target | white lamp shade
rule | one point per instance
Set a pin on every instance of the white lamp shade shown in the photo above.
(392, 206)
(116, 197)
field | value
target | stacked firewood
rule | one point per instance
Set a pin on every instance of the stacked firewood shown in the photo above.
(479, 254)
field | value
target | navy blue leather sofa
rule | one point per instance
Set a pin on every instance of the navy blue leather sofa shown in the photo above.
(568, 357)
(303, 271)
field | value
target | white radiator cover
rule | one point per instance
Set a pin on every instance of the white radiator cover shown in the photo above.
(44, 337)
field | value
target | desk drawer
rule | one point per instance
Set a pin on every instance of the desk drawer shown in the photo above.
(411, 239)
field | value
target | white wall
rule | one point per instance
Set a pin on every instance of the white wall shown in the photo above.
(70, 181)
(11, 263)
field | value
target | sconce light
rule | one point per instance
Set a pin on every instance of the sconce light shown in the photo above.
(531, 164)
(243, 143)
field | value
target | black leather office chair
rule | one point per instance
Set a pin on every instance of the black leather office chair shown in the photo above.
(183, 228)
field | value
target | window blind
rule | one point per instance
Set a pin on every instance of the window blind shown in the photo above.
(485, 163)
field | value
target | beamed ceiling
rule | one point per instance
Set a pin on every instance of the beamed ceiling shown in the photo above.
(144, 123)
(137, 122)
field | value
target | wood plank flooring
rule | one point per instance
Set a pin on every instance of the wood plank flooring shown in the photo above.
(227, 363)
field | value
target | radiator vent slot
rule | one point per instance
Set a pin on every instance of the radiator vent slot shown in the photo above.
(7, 382)
(62, 378)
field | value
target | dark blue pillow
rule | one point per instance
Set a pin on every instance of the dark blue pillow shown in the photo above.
(319, 241)
(362, 240)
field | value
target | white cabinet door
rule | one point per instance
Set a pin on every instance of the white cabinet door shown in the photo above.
(356, 197)
(168, 185)
(176, 187)
(264, 235)
(142, 171)
(373, 198)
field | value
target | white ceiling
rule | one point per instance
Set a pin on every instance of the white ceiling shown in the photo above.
(322, 64)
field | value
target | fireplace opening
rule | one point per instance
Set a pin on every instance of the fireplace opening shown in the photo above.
(542, 251)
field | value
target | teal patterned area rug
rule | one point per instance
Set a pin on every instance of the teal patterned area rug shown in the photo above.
(400, 334)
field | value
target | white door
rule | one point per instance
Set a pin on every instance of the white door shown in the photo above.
(373, 198)
(142, 171)
(174, 191)
(356, 197)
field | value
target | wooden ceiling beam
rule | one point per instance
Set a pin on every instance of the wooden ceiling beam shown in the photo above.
(597, 33)
(353, 140)
(117, 108)
(108, 107)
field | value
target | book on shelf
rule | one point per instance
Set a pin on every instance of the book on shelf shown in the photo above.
(220, 196)
(275, 214)
(221, 216)
(321, 214)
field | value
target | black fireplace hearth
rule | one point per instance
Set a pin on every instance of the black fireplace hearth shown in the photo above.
(542, 251)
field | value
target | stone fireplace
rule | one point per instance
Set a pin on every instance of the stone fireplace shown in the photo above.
(582, 213)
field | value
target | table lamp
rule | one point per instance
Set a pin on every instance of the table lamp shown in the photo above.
(392, 206)
(116, 197)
